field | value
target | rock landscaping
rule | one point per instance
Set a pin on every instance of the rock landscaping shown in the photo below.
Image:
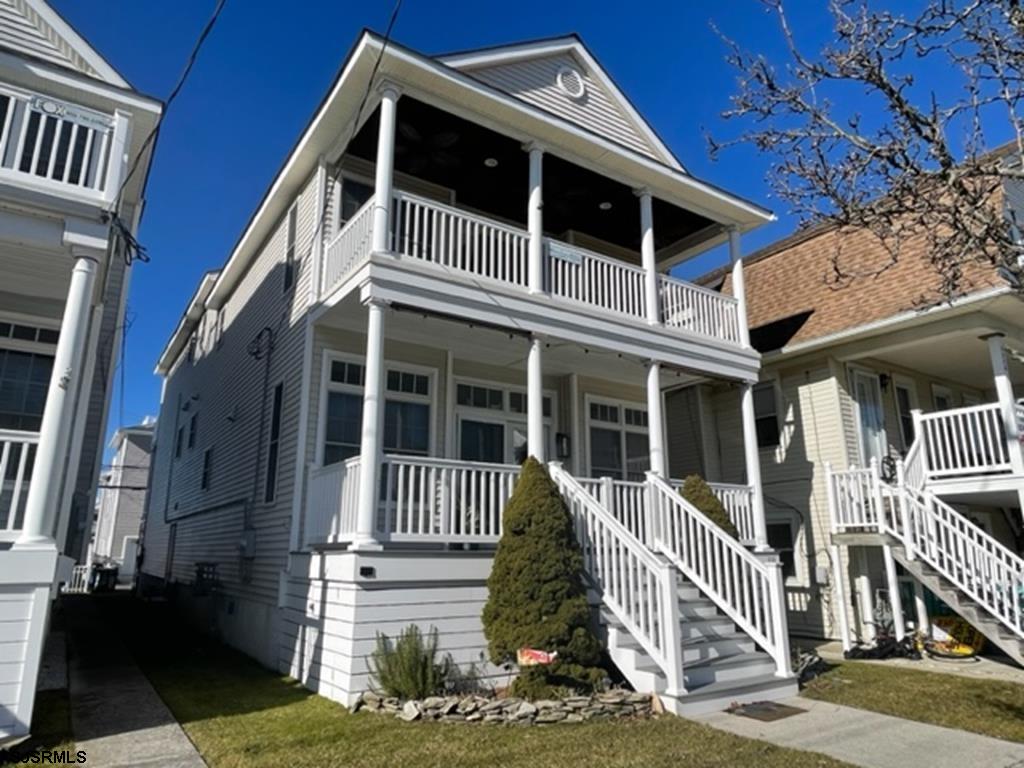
(609, 705)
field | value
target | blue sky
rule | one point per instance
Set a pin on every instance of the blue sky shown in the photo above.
(263, 71)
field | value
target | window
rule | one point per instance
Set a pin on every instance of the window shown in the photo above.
(480, 397)
(943, 397)
(354, 195)
(517, 403)
(782, 538)
(24, 381)
(766, 416)
(193, 342)
(179, 440)
(289, 253)
(273, 446)
(204, 481)
(619, 444)
(498, 435)
(407, 410)
(904, 406)
(193, 427)
(20, 332)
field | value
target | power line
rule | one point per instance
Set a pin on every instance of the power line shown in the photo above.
(133, 249)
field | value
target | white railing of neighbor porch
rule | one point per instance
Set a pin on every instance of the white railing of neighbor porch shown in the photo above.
(331, 502)
(934, 532)
(699, 310)
(79, 582)
(349, 247)
(965, 441)
(744, 587)
(58, 146)
(428, 499)
(595, 280)
(17, 454)
(638, 587)
(449, 237)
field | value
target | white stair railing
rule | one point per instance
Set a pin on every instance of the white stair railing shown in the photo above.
(747, 589)
(638, 587)
(934, 532)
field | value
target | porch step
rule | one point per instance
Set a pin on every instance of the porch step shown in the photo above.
(964, 605)
(721, 664)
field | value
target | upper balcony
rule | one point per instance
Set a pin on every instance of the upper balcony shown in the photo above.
(58, 148)
(457, 241)
(469, 204)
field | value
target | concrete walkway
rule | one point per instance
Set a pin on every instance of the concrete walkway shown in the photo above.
(872, 740)
(117, 718)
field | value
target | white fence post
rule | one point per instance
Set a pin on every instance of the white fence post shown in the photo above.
(904, 507)
(777, 602)
(673, 640)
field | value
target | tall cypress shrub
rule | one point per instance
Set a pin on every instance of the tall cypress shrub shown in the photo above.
(536, 596)
(696, 491)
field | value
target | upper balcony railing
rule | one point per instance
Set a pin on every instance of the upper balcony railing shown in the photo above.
(60, 148)
(462, 242)
(17, 456)
(964, 442)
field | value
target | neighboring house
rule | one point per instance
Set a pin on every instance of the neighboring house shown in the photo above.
(347, 400)
(880, 371)
(122, 500)
(68, 125)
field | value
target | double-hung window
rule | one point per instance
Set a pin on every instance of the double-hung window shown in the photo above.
(619, 446)
(289, 253)
(274, 444)
(407, 410)
(766, 415)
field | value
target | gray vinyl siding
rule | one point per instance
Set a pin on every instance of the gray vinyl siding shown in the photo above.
(684, 434)
(22, 29)
(225, 388)
(533, 81)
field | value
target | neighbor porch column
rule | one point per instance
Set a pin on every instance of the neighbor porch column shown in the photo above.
(535, 220)
(1007, 403)
(647, 257)
(385, 168)
(58, 414)
(371, 445)
(656, 421)
(535, 401)
(751, 452)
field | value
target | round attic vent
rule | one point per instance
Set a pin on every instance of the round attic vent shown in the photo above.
(571, 82)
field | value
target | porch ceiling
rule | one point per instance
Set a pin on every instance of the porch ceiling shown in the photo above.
(498, 347)
(489, 173)
(960, 357)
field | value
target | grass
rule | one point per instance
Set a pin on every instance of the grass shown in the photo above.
(51, 729)
(238, 714)
(988, 707)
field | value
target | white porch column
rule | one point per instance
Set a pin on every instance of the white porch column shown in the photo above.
(58, 415)
(535, 220)
(739, 287)
(752, 459)
(647, 258)
(656, 421)
(535, 401)
(895, 598)
(385, 168)
(1007, 403)
(371, 448)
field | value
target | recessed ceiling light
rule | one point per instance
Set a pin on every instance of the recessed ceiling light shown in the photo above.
(605, 206)
(491, 162)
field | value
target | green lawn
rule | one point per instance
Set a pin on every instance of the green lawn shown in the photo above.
(51, 729)
(988, 707)
(238, 714)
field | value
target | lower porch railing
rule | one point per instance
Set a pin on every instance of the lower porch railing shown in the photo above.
(17, 456)
(962, 442)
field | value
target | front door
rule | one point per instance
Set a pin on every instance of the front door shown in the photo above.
(868, 394)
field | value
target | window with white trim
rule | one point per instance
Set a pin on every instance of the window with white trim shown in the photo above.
(782, 536)
(274, 444)
(24, 382)
(491, 422)
(766, 414)
(289, 252)
(618, 434)
(407, 411)
(352, 196)
(905, 404)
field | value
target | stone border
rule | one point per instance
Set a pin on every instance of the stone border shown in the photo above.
(610, 705)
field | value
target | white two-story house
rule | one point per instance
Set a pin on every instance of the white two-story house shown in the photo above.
(464, 260)
(70, 125)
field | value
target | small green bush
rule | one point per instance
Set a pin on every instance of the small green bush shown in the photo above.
(536, 597)
(409, 669)
(699, 493)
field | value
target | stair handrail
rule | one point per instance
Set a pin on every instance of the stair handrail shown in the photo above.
(638, 587)
(990, 573)
(747, 588)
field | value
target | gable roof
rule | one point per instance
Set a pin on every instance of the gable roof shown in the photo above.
(32, 28)
(793, 300)
(531, 71)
